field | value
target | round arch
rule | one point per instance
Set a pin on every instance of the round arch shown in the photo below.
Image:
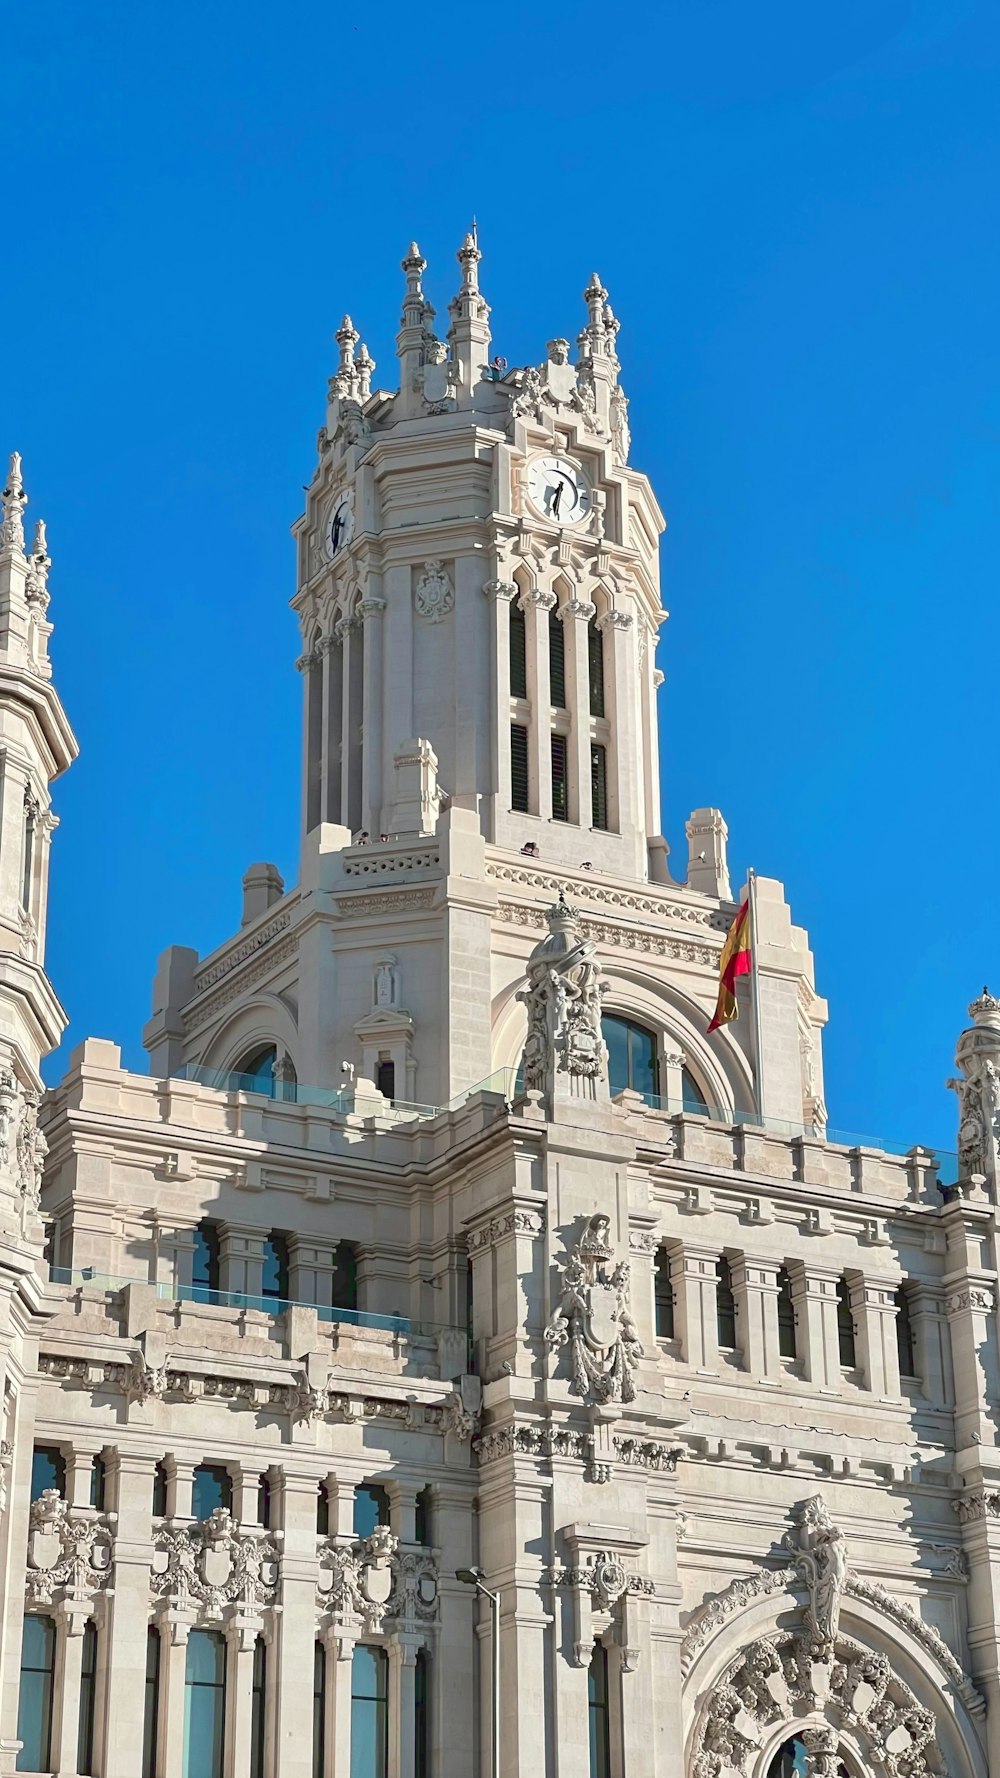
(264, 1020)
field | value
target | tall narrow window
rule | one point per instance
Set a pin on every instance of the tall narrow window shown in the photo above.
(371, 1508)
(204, 1704)
(264, 1502)
(369, 1713)
(904, 1334)
(557, 660)
(345, 1277)
(88, 1683)
(421, 1712)
(663, 1296)
(595, 662)
(48, 1471)
(518, 652)
(28, 848)
(212, 1488)
(560, 779)
(787, 1346)
(599, 785)
(34, 1704)
(422, 1517)
(151, 1709)
(597, 1711)
(323, 1510)
(319, 1711)
(519, 768)
(633, 1061)
(98, 1483)
(385, 1077)
(256, 1071)
(160, 1491)
(845, 1327)
(205, 1260)
(274, 1276)
(725, 1306)
(258, 1708)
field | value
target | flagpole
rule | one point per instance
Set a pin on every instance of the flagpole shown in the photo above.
(758, 1048)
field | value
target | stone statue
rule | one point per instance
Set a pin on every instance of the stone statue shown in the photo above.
(594, 1318)
(978, 1089)
(563, 1002)
(820, 1554)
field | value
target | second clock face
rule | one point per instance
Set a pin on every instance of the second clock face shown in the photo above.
(557, 488)
(339, 526)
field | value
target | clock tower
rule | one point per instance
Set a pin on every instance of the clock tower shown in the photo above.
(478, 593)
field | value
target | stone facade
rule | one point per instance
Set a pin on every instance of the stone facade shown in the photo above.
(707, 1396)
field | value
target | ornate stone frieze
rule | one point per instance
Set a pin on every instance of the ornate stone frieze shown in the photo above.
(144, 1382)
(979, 1503)
(982, 1300)
(714, 1614)
(213, 1565)
(647, 1453)
(924, 1633)
(371, 1586)
(513, 1222)
(643, 1241)
(70, 1554)
(206, 978)
(650, 941)
(607, 894)
(247, 976)
(594, 1319)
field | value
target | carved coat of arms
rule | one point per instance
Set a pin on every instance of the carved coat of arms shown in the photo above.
(595, 1320)
(434, 596)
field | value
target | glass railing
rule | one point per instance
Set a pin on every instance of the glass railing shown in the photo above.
(342, 1100)
(945, 1163)
(113, 1283)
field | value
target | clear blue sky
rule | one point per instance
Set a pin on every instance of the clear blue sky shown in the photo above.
(795, 210)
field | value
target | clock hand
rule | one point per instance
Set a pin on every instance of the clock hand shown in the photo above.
(557, 497)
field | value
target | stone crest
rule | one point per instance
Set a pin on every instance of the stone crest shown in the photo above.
(70, 1555)
(213, 1565)
(370, 1585)
(593, 1318)
(434, 596)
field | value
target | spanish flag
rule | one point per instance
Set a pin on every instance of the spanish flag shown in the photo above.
(737, 960)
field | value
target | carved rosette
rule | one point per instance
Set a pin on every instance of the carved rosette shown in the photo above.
(70, 1554)
(215, 1569)
(594, 1319)
(371, 1587)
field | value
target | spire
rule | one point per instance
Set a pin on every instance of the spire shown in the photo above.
(365, 365)
(469, 333)
(347, 337)
(37, 584)
(14, 502)
(414, 302)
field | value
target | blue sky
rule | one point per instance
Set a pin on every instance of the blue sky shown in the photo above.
(795, 211)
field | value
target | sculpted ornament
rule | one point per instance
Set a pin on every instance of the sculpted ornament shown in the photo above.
(70, 1555)
(438, 378)
(369, 1585)
(594, 1319)
(563, 1002)
(819, 1553)
(978, 1089)
(213, 1564)
(435, 595)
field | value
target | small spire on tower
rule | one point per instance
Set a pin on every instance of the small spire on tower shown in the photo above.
(468, 258)
(364, 365)
(37, 586)
(14, 502)
(347, 337)
(595, 296)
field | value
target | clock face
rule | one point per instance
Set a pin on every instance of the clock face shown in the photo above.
(557, 488)
(339, 526)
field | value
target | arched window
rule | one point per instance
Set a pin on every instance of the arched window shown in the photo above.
(371, 1508)
(88, 1686)
(34, 1704)
(790, 1761)
(632, 1056)
(369, 1712)
(151, 1711)
(204, 1704)
(597, 1711)
(256, 1070)
(693, 1099)
(212, 1488)
(787, 1343)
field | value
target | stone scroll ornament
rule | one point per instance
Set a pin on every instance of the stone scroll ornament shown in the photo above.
(563, 1003)
(594, 1319)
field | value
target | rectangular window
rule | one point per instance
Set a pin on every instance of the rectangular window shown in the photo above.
(595, 662)
(597, 1711)
(519, 768)
(160, 1491)
(211, 1490)
(88, 1682)
(28, 858)
(98, 1483)
(205, 1260)
(319, 1711)
(845, 1327)
(518, 653)
(48, 1471)
(345, 1277)
(151, 1711)
(258, 1708)
(557, 662)
(599, 786)
(204, 1704)
(422, 1517)
(560, 779)
(385, 1077)
(421, 1768)
(663, 1296)
(904, 1334)
(34, 1704)
(369, 1713)
(371, 1508)
(787, 1346)
(274, 1273)
(264, 1502)
(725, 1306)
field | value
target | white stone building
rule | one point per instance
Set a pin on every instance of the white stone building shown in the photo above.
(334, 1303)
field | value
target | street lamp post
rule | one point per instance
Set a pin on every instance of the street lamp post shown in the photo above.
(473, 1577)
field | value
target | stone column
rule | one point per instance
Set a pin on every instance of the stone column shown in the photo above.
(79, 1472)
(71, 1619)
(500, 593)
(625, 811)
(241, 1636)
(814, 1294)
(327, 731)
(755, 1287)
(536, 606)
(402, 1511)
(575, 615)
(931, 1342)
(970, 1300)
(370, 611)
(402, 1703)
(180, 1485)
(453, 1689)
(241, 1259)
(341, 1647)
(295, 1511)
(13, 1552)
(873, 1305)
(123, 1646)
(175, 1627)
(311, 1265)
(696, 1322)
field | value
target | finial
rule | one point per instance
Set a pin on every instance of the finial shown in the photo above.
(468, 258)
(14, 482)
(14, 501)
(984, 1010)
(347, 338)
(364, 365)
(40, 547)
(414, 265)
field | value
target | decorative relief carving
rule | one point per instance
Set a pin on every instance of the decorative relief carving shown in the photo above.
(714, 1614)
(819, 1555)
(980, 1503)
(370, 1587)
(978, 1089)
(248, 976)
(32, 1149)
(434, 595)
(515, 1222)
(70, 1555)
(982, 1300)
(594, 1319)
(924, 1633)
(563, 1003)
(213, 1565)
(205, 978)
(632, 901)
(652, 943)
